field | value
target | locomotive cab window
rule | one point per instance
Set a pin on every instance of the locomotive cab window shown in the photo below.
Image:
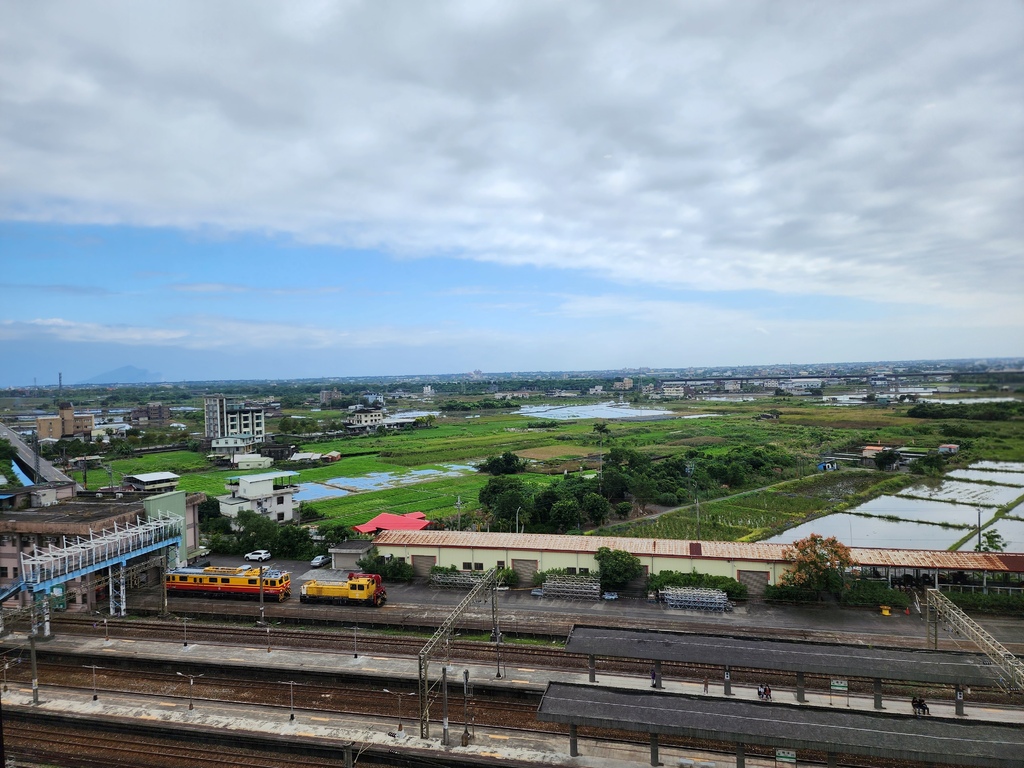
(254, 581)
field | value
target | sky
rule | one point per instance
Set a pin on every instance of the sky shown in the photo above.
(250, 190)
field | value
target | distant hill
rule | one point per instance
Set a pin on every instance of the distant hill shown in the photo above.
(127, 374)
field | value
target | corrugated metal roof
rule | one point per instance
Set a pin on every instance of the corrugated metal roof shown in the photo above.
(717, 550)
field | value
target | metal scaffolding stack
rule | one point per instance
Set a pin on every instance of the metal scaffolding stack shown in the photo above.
(696, 599)
(572, 588)
(457, 580)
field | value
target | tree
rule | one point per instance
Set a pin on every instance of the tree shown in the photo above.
(506, 464)
(991, 541)
(505, 497)
(255, 531)
(618, 567)
(596, 508)
(887, 459)
(565, 514)
(817, 564)
(623, 509)
(644, 489)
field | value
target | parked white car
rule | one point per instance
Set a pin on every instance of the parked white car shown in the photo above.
(258, 555)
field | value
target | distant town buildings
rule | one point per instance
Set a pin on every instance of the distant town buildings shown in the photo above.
(156, 414)
(65, 424)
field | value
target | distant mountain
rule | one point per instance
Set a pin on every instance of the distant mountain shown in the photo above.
(127, 374)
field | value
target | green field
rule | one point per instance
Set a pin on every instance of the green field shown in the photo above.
(804, 429)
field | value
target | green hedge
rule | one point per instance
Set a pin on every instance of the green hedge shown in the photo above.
(790, 594)
(1006, 605)
(873, 593)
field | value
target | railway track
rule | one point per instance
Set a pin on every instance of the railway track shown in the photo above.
(512, 654)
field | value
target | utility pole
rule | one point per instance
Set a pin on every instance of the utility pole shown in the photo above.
(458, 507)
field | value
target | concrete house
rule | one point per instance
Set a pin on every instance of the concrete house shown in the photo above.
(267, 494)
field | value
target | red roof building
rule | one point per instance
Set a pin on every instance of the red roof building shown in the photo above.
(413, 521)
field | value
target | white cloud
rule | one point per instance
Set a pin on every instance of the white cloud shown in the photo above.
(863, 150)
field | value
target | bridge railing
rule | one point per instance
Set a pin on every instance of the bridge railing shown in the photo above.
(54, 562)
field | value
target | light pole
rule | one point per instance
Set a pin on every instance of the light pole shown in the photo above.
(262, 621)
(979, 529)
(465, 707)
(184, 626)
(93, 667)
(355, 641)
(497, 645)
(398, 695)
(191, 680)
(291, 697)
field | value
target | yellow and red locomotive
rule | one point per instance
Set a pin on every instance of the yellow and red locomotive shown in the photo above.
(360, 589)
(243, 581)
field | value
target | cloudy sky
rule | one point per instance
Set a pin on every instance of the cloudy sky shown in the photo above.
(252, 189)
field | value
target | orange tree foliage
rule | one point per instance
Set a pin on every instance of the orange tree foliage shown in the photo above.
(816, 563)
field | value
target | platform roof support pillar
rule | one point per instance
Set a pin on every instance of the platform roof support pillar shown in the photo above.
(657, 674)
(592, 668)
(832, 760)
(878, 693)
(574, 749)
(958, 696)
(800, 688)
(654, 749)
(741, 755)
(727, 682)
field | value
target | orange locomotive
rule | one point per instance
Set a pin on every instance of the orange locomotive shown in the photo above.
(242, 581)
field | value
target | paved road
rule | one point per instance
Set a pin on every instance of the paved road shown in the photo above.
(27, 458)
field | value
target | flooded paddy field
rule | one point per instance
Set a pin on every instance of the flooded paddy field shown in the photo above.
(932, 514)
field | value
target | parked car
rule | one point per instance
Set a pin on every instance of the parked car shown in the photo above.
(320, 561)
(258, 555)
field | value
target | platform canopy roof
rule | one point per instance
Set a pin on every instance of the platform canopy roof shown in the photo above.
(930, 740)
(840, 661)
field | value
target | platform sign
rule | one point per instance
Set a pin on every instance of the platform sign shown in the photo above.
(787, 756)
(59, 598)
(839, 686)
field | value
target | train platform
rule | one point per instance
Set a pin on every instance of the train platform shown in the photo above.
(389, 670)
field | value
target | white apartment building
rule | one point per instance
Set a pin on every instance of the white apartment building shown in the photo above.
(365, 417)
(266, 494)
(226, 416)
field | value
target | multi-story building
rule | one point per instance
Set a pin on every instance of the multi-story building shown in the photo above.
(234, 444)
(266, 494)
(365, 417)
(60, 522)
(65, 424)
(625, 384)
(226, 416)
(151, 413)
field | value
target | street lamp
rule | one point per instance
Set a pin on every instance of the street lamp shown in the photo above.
(93, 667)
(184, 626)
(191, 680)
(291, 696)
(398, 695)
